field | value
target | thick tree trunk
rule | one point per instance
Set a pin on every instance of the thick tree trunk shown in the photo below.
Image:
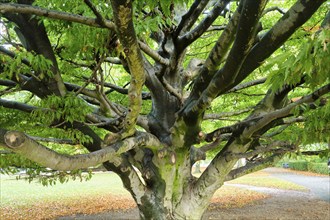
(152, 208)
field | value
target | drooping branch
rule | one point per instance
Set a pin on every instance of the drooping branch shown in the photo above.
(254, 166)
(280, 113)
(13, 55)
(34, 10)
(25, 146)
(274, 146)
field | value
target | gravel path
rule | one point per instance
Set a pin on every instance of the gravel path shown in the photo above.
(319, 186)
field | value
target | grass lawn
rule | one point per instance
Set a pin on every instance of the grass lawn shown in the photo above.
(20, 192)
(263, 179)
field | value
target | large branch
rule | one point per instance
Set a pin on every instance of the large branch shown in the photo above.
(25, 146)
(34, 10)
(216, 56)
(124, 26)
(246, 32)
(296, 16)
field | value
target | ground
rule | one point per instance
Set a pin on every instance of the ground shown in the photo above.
(269, 194)
(279, 204)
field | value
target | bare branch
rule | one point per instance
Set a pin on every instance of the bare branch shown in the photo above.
(275, 8)
(267, 118)
(254, 166)
(99, 19)
(247, 85)
(113, 60)
(191, 36)
(153, 54)
(283, 145)
(53, 140)
(28, 9)
(225, 114)
(191, 16)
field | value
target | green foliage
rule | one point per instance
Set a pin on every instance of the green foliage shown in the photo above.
(316, 129)
(310, 60)
(299, 165)
(37, 63)
(318, 168)
(69, 108)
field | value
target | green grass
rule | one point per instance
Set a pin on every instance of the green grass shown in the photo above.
(21, 192)
(263, 180)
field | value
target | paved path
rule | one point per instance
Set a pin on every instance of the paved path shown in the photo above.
(319, 186)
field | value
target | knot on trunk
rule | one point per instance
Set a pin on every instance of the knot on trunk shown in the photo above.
(14, 139)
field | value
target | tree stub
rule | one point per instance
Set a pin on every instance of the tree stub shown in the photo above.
(14, 139)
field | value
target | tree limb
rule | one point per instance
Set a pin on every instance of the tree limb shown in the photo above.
(266, 118)
(296, 16)
(225, 114)
(188, 38)
(254, 166)
(127, 37)
(153, 54)
(25, 146)
(191, 16)
(28, 9)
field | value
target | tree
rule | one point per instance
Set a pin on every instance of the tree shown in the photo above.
(151, 87)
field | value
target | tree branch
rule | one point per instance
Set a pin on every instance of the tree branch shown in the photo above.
(244, 40)
(99, 19)
(296, 16)
(247, 85)
(188, 38)
(254, 166)
(34, 10)
(262, 149)
(280, 113)
(127, 36)
(12, 54)
(225, 114)
(153, 54)
(275, 8)
(25, 146)
(191, 16)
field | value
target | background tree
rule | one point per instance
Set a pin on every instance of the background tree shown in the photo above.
(151, 87)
